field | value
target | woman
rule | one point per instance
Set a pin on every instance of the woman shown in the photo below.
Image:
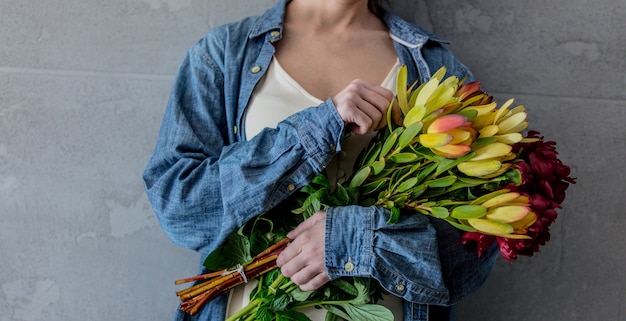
(239, 136)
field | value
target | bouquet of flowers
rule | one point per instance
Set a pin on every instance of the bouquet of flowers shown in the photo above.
(457, 157)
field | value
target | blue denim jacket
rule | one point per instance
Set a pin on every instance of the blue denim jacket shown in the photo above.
(205, 180)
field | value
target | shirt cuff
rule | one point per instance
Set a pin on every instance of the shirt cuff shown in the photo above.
(348, 251)
(403, 257)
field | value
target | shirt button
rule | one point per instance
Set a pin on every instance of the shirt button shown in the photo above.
(349, 267)
(400, 287)
(255, 69)
(342, 155)
(275, 34)
(291, 187)
(333, 148)
(341, 173)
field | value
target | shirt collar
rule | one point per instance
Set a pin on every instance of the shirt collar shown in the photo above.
(271, 20)
(406, 33)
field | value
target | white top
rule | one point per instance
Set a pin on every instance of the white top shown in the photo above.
(275, 98)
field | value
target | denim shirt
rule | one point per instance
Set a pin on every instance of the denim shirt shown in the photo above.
(205, 180)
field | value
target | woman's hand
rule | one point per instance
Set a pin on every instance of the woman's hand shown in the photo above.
(303, 260)
(363, 106)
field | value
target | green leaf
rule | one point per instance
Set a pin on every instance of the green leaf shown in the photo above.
(483, 142)
(345, 286)
(340, 197)
(439, 212)
(469, 113)
(299, 210)
(434, 192)
(441, 182)
(312, 203)
(403, 158)
(514, 176)
(368, 312)
(415, 167)
(457, 185)
(460, 226)
(395, 215)
(390, 141)
(316, 205)
(407, 185)
(235, 251)
(321, 179)
(471, 181)
(308, 189)
(465, 212)
(263, 313)
(270, 277)
(417, 191)
(362, 287)
(446, 163)
(397, 174)
(299, 295)
(378, 166)
(409, 134)
(424, 173)
(489, 196)
(372, 154)
(331, 317)
(336, 311)
(353, 194)
(259, 242)
(291, 315)
(279, 301)
(360, 176)
(400, 199)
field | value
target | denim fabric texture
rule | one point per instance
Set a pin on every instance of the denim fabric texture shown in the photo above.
(205, 180)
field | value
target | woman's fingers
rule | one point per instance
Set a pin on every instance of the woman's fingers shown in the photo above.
(363, 106)
(303, 259)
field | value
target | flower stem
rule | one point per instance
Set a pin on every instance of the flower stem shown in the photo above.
(200, 277)
(251, 307)
(277, 283)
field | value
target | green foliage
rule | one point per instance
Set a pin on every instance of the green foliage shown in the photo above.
(236, 251)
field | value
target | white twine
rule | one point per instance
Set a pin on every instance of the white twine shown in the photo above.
(239, 270)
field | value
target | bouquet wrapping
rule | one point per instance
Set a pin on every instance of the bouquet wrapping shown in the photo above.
(457, 157)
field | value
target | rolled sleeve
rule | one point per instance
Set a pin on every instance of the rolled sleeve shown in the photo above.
(403, 257)
(320, 130)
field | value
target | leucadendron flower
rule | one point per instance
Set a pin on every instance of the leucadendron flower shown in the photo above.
(449, 136)
(498, 130)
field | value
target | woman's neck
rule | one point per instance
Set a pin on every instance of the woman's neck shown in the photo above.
(332, 15)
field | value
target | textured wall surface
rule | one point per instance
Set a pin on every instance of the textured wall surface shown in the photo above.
(83, 87)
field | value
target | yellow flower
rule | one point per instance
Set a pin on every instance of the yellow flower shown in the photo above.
(504, 124)
(449, 136)
(507, 215)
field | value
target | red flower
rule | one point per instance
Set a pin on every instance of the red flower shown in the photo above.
(544, 180)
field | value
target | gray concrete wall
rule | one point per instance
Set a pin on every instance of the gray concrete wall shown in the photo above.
(83, 86)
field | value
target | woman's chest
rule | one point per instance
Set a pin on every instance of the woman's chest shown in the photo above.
(326, 66)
